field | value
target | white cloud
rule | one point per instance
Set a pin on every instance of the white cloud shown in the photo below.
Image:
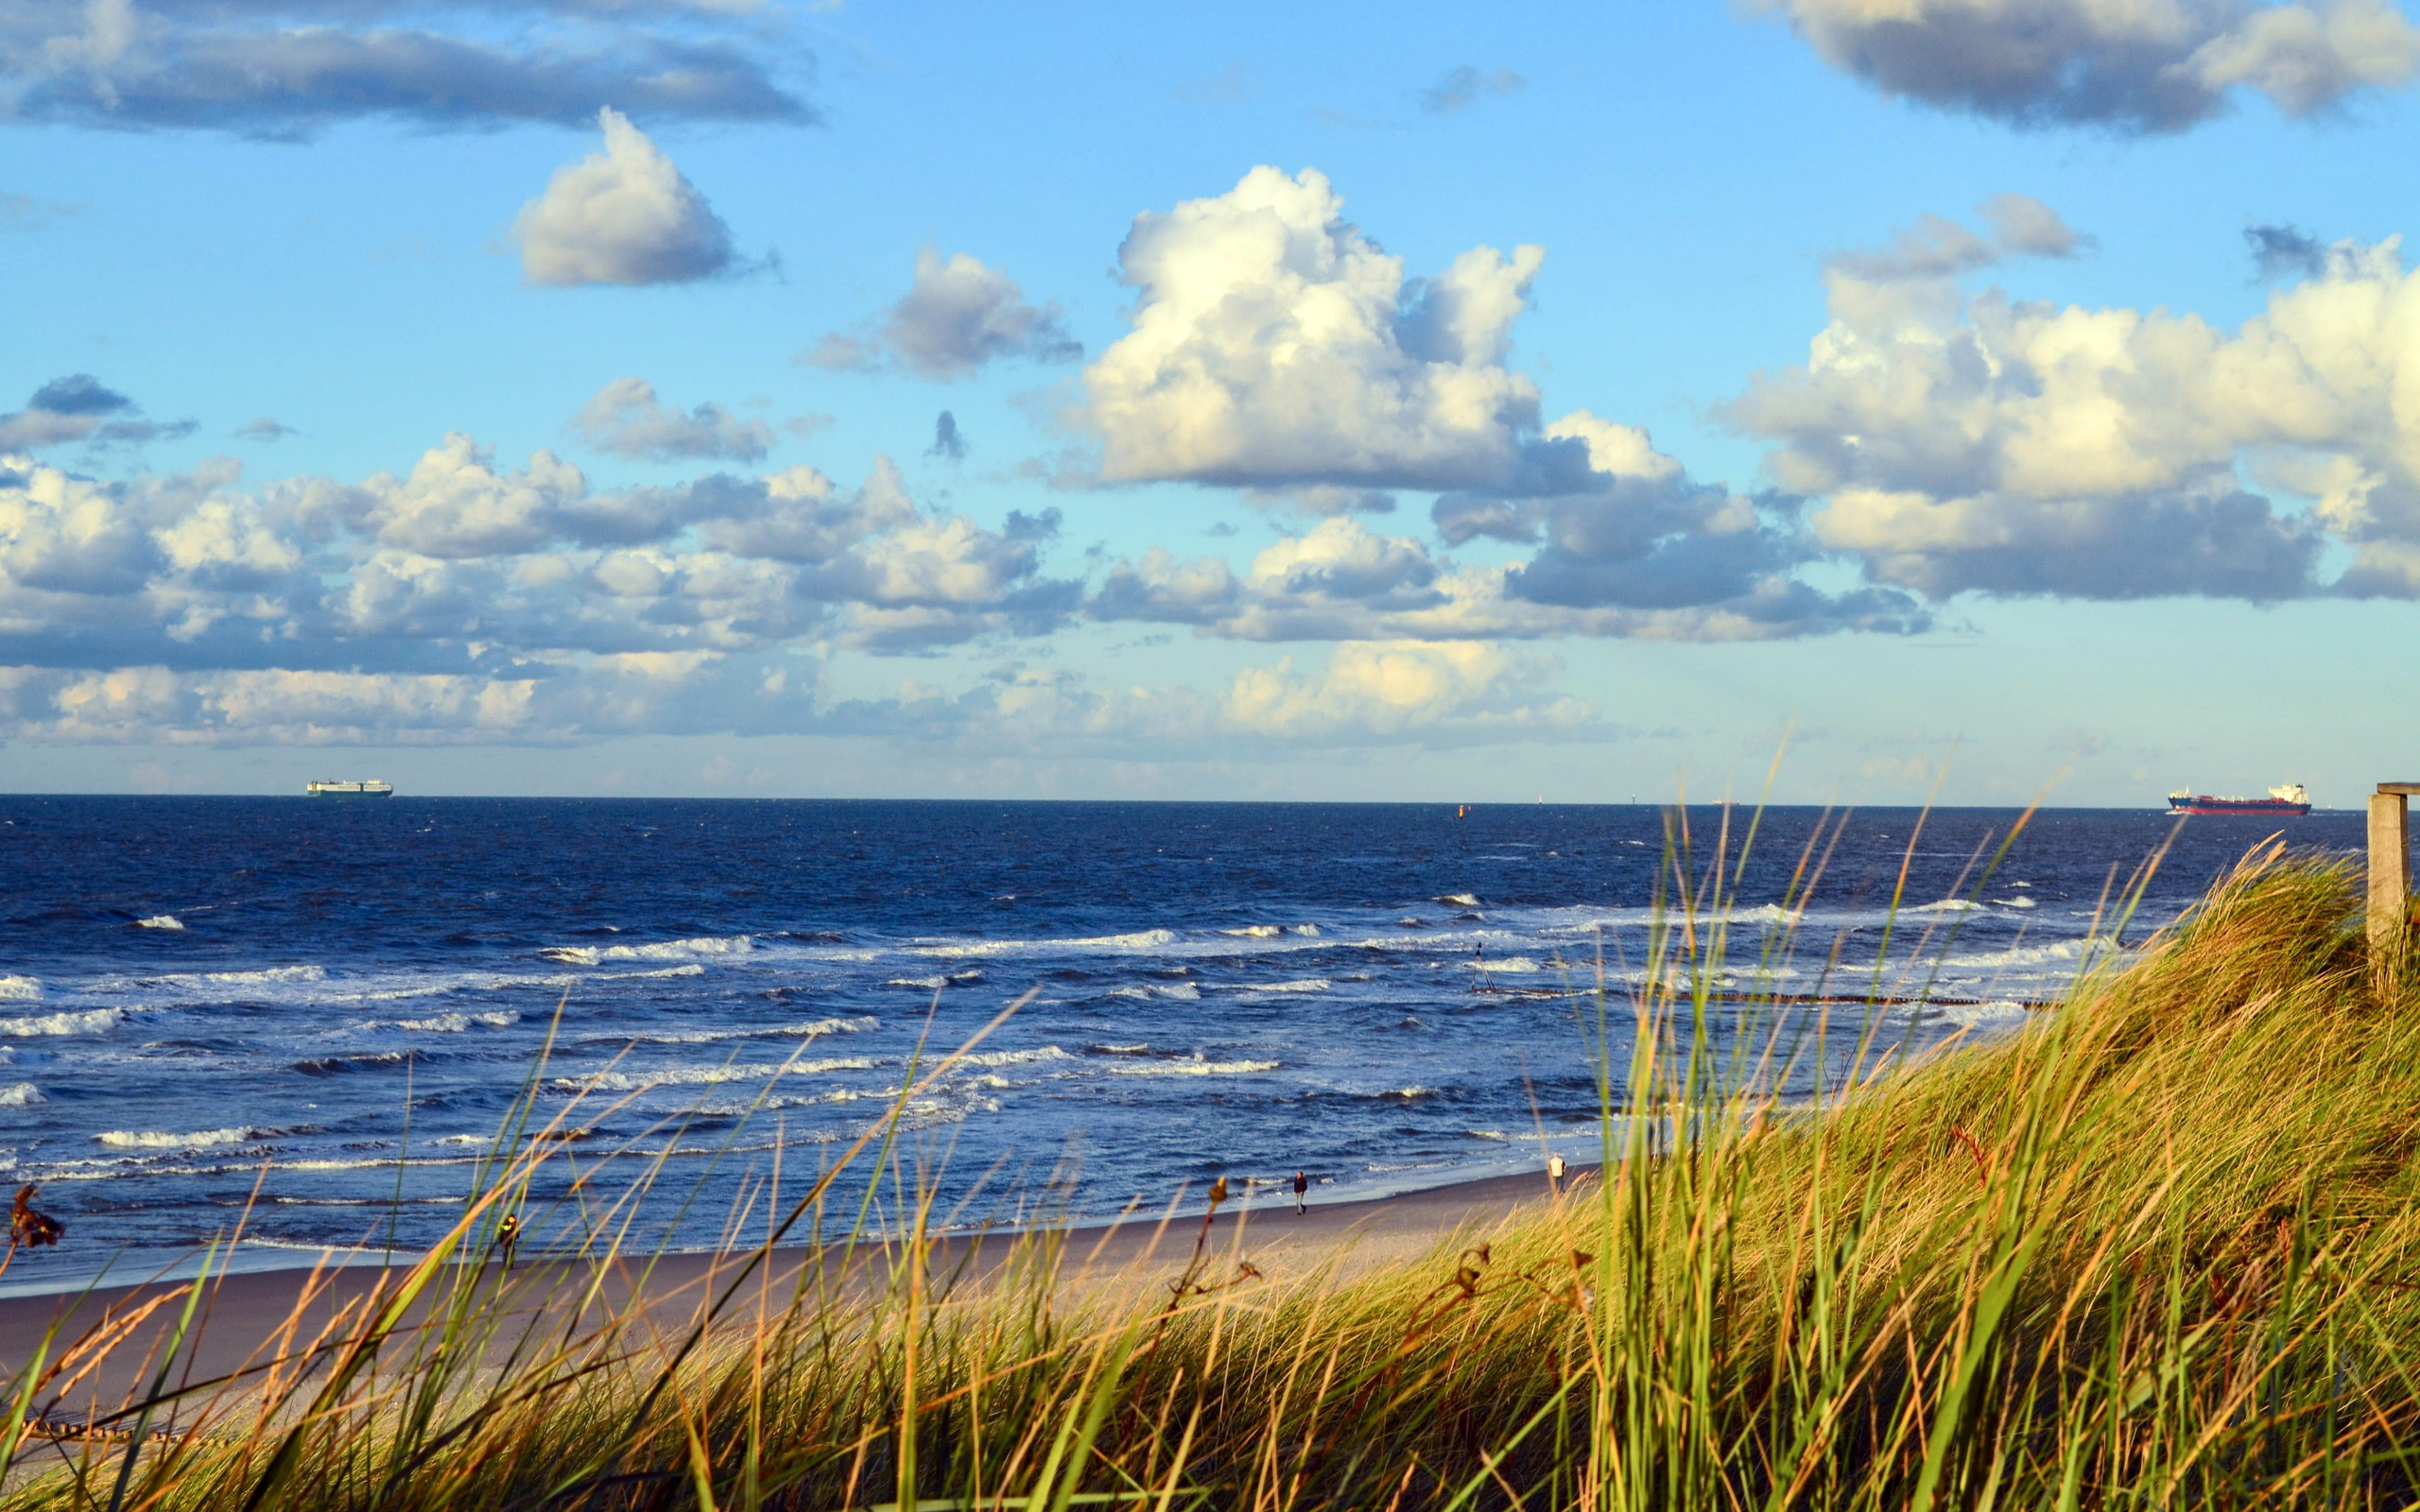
(626, 418)
(1340, 580)
(2143, 65)
(958, 315)
(1275, 345)
(623, 216)
(1990, 444)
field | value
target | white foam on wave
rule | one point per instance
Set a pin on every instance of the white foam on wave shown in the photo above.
(1508, 963)
(456, 1022)
(1979, 1015)
(90, 1021)
(1256, 931)
(1308, 983)
(121, 1138)
(1141, 939)
(668, 949)
(24, 1095)
(630, 1081)
(814, 1029)
(20, 989)
(1180, 991)
(160, 921)
(1015, 1057)
(1459, 900)
(2016, 902)
(1194, 1067)
(1947, 905)
(693, 968)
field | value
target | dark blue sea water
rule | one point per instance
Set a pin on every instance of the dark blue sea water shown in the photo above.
(333, 1001)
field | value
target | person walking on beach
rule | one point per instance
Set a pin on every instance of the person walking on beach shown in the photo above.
(1554, 1173)
(1302, 1190)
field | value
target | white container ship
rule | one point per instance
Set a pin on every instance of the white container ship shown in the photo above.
(372, 788)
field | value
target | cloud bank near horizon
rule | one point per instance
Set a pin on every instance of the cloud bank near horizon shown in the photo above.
(1940, 440)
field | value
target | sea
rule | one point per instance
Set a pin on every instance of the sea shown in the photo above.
(310, 1020)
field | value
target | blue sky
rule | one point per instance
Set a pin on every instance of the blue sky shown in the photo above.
(1347, 402)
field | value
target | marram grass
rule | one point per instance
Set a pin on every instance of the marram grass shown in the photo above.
(2160, 1249)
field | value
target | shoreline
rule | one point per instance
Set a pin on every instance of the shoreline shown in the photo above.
(244, 1311)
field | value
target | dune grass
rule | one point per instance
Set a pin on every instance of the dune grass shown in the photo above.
(2162, 1248)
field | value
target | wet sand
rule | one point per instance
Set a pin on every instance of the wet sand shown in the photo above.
(247, 1319)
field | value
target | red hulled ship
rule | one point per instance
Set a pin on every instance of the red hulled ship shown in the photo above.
(2290, 800)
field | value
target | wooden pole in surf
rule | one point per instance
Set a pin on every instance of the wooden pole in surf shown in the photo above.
(2390, 877)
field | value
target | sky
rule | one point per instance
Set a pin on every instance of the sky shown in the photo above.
(1852, 401)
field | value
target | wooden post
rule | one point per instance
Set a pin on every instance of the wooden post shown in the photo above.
(2389, 877)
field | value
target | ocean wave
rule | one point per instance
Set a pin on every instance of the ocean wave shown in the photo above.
(24, 1095)
(90, 1021)
(1256, 931)
(1308, 983)
(938, 981)
(630, 1081)
(1015, 1057)
(1947, 905)
(160, 921)
(20, 989)
(815, 1029)
(1978, 1015)
(1120, 1050)
(457, 1023)
(693, 968)
(1180, 991)
(1508, 963)
(1459, 900)
(1195, 1068)
(120, 1139)
(1141, 939)
(2016, 902)
(670, 950)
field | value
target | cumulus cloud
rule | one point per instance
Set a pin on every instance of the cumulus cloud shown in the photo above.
(622, 215)
(625, 418)
(1457, 88)
(1340, 580)
(2133, 65)
(80, 407)
(1275, 345)
(957, 316)
(290, 68)
(1990, 444)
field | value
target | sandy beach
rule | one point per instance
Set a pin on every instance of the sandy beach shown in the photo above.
(247, 1319)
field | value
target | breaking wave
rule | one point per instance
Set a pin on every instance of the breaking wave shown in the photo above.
(199, 1140)
(24, 1095)
(90, 1021)
(630, 1081)
(20, 989)
(1180, 991)
(670, 950)
(160, 921)
(1194, 1067)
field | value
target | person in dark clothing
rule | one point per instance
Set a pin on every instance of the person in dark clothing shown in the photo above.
(1302, 1190)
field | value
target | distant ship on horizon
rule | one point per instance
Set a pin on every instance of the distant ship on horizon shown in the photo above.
(2289, 800)
(372, 788)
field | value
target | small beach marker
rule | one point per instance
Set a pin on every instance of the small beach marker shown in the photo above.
(2390, 875)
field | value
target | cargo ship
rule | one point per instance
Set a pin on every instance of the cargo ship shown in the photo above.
(372, 788)
(2290, 800)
